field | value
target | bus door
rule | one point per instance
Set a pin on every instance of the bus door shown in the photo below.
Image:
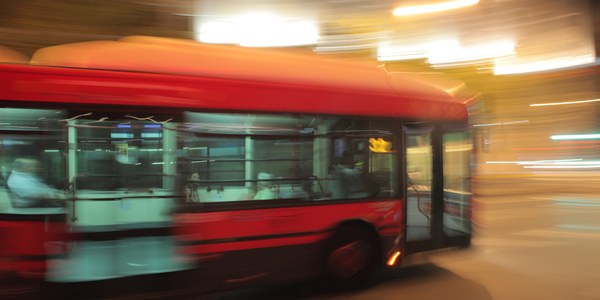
(456, 217)
(438, 196)
(419, 182)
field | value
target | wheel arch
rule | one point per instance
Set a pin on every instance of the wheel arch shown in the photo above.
(365, 226)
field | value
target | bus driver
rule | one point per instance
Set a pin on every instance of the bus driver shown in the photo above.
(27, 188)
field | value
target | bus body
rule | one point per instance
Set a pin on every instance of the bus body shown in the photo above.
(162, 148)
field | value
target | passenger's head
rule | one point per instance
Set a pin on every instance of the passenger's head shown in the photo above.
(264, 180)
(194, 176)
(27, 165)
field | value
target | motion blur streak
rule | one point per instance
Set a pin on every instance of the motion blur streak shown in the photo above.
(260, 30)
(576, 136)
(564, 103)
(432, 8)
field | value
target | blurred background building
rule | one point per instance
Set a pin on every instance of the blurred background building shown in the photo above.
(534, 62)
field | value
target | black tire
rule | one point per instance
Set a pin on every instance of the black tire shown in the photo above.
(351, 257)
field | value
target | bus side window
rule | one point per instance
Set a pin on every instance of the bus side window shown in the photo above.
(231, 151)
(285, 164)
(363, 159)
(32, 135)
(119, 155)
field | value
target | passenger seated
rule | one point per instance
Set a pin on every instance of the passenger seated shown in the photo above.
(28, 189)
(264, 187)
(351, 183)
(191, 188)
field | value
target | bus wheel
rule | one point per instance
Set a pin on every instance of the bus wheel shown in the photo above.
(351, 258)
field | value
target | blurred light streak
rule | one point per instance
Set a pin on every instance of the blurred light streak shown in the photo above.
(576, 136)
(580, 142)
(259, 29)
(589, 162)
(218, 32)
(386, 52)
(554, 148)
(522, 162)
(487, 124)
(566, 203)
(593, 202)
(501, 123)
(516, 67)
(446, 52)
(432, 8)
(564, 103)
(449, 53)
(349, 42)
(563, 167)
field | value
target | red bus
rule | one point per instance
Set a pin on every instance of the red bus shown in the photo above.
(217, 167)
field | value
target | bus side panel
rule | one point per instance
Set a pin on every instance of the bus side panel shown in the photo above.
(247, 245)
(28, 243)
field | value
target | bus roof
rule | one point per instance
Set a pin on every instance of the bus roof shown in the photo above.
(190, 72)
